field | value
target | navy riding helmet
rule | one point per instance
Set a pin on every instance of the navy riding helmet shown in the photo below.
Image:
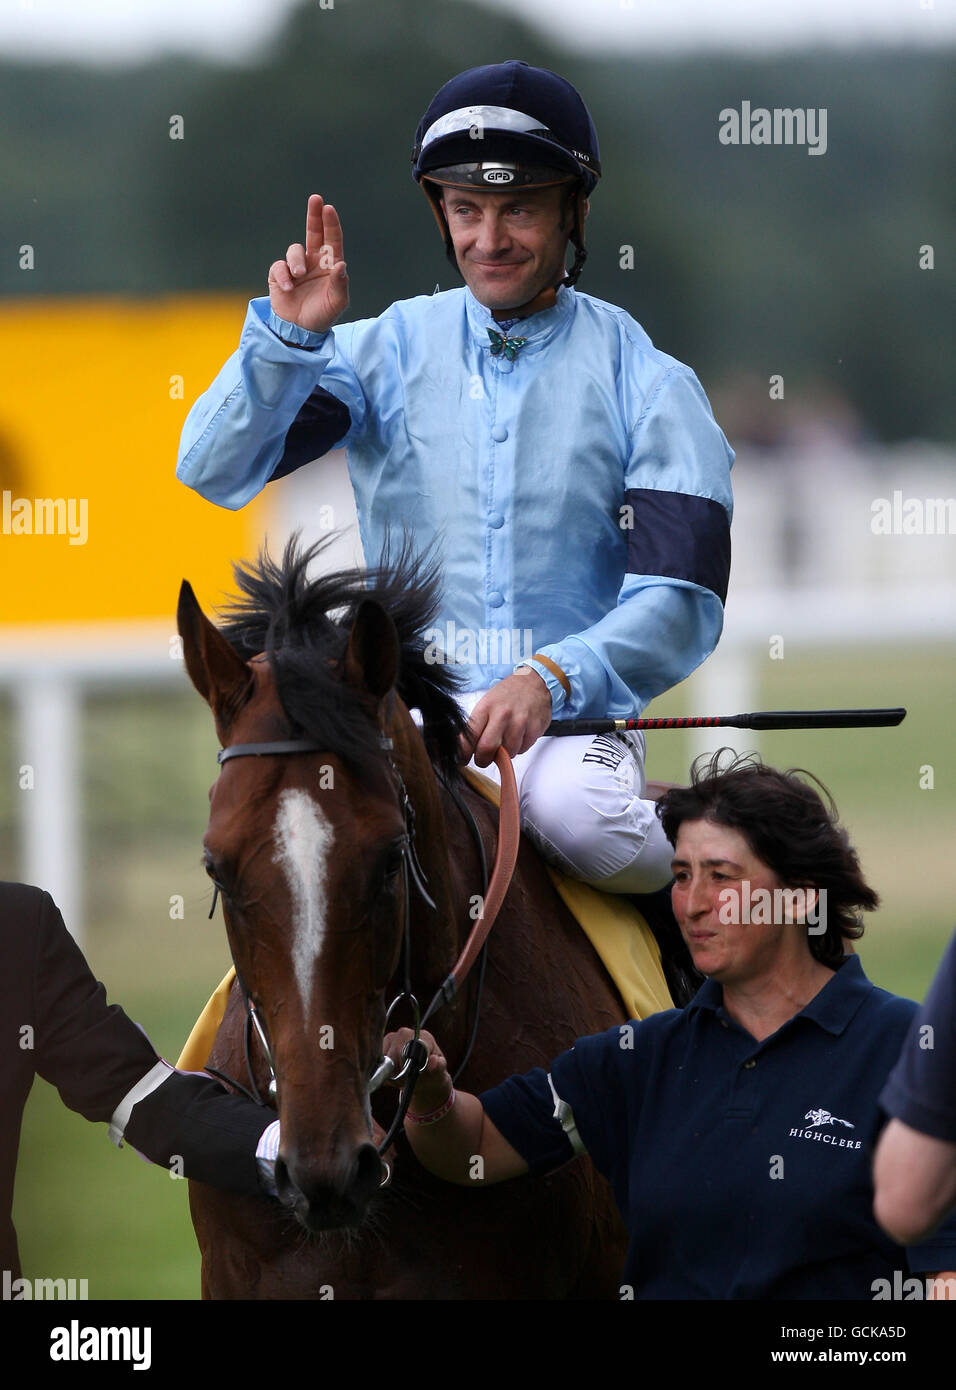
(508, 125)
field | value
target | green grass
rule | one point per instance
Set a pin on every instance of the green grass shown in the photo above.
(84, 1209)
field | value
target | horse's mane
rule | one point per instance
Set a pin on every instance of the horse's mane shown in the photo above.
(303, 625)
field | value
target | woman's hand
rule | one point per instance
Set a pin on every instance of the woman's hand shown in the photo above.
(434, 1085)
(459, 1143)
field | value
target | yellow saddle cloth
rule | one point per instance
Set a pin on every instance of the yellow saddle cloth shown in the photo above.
(199, 1043)
(613, 925)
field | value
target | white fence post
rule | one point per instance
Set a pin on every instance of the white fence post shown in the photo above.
(726, 684)
(47, 719)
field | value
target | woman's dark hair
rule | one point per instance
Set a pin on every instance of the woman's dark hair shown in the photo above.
(788, 827)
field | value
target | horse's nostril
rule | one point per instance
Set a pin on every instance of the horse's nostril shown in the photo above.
(336, 1197)
(285, 1190)
(368, 1170)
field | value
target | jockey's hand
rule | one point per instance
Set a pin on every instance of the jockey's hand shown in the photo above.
(513, 715)
(311, 286)
(433, 1086)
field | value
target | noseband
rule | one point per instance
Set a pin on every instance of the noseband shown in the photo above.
(414, 1053)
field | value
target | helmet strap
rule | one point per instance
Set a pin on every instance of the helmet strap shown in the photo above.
(577, 239)
(577, 265)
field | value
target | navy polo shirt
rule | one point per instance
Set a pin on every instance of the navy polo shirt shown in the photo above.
(741, 1169)
(921, 1090)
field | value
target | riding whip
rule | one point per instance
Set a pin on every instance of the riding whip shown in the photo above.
(765, 719)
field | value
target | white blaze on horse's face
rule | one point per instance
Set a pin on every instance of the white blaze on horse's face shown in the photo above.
(303, 838)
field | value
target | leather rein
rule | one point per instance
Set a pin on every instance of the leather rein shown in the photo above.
(414, 1054)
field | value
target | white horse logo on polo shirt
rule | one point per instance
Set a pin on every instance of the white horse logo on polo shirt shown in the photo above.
(817, 1121)
(823, 1117)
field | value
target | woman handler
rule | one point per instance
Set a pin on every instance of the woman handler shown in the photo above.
(736, 1133)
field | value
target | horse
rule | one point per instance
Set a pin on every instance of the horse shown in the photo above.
(306, 843)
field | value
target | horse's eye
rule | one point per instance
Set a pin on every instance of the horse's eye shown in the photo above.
(394, 857)
(213, 873)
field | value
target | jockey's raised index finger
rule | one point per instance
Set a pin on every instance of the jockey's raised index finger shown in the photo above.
(314, 234)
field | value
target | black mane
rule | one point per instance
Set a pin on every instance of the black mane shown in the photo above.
(303, 625)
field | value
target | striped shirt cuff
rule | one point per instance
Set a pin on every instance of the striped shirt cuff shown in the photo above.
(268, 1145)
(267, 1151)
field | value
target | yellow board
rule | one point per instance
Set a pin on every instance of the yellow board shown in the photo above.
(93, 396)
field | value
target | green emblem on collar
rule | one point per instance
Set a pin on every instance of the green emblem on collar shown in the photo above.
(508, 346)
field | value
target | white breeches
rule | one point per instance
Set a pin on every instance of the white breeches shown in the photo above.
(582, 805)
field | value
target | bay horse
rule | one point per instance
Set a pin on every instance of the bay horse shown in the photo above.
(305, 848)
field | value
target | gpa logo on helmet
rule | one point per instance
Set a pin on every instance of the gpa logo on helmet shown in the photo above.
(497, 176)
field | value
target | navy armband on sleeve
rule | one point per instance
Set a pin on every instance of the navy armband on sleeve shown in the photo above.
(322, 421)
(679, 536)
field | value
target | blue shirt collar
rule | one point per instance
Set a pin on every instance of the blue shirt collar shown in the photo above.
(537, 329)
(833, 1008)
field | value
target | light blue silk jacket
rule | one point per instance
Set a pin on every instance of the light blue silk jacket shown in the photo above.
(579, 493)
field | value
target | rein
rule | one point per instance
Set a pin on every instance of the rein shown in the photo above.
(414, 1053)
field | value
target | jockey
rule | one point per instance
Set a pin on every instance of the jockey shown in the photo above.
(572, 474)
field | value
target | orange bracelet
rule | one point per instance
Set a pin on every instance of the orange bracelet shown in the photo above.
(555, 670)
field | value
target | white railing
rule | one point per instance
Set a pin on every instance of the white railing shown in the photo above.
(49, 673)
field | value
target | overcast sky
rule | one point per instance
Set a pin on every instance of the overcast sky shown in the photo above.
(119, 30)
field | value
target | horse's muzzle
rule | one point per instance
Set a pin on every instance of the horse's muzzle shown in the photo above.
(324, 1201)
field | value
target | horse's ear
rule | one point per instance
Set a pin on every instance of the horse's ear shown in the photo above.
(215, 668)
(373, 652)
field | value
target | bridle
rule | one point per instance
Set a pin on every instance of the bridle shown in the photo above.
(414, 1053)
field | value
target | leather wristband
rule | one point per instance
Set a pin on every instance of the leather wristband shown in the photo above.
(555, 670)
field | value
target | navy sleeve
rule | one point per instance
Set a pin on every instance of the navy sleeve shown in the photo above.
(921, 1090)
(322, 421)
(587, 1079)
(522, 1108)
